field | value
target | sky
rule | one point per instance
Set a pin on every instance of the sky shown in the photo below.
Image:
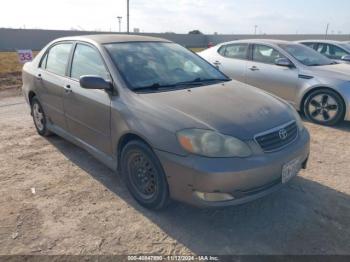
(181, 16)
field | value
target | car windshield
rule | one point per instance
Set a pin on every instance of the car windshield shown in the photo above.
(161, 65)
(346, 46)
(306, 55)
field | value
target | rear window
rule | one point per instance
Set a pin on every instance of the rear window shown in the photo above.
(57, 58)
(237, 51)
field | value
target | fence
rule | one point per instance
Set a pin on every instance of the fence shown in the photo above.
(36, 39)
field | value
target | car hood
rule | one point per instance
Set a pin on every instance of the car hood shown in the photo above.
(232, 108)
(337, 71)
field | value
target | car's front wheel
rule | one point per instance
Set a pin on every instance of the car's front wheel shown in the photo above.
(144, 175)
(39, 118)
(324, 107)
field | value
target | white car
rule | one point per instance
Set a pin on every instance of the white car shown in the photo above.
(313, 83)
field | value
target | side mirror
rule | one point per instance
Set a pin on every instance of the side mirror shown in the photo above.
(346, 58)
(283, 62)
(94, 82)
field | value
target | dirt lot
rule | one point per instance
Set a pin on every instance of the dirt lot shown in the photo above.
(56, 199)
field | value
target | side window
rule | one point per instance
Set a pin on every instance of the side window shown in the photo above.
(265, 54)
(222, 50)
(238, 51)
(331, 51)
(57, 58)
(87, 61)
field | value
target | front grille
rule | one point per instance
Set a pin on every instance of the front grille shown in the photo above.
(277, 138)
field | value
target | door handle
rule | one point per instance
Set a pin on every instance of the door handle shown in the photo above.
(254, 68)
(39, 77)
(68, 89)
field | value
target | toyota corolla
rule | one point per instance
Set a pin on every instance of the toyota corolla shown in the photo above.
(172, 124)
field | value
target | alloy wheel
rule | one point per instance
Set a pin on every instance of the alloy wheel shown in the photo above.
(323, 107)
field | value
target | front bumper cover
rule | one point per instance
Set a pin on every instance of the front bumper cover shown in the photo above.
(246, 179)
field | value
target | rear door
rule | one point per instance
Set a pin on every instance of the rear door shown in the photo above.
(88, 111)
(232, 59)
(51, 79)
(263, 73)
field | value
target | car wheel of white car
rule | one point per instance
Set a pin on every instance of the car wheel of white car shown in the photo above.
(39, 118)
(324, 106)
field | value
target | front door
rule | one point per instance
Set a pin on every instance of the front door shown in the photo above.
(88, 111)
(262, 72)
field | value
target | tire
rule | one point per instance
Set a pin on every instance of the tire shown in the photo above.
(39, 118)
(144, 175)
(325, 107)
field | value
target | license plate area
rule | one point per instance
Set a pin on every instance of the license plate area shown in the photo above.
(290, 170)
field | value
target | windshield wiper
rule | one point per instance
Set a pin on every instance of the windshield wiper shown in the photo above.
(197, 81)
(154, 86)
(200, 81)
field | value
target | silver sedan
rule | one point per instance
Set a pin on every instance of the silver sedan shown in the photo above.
(311, 82)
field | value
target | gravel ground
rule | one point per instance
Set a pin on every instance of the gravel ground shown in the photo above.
(56, 199)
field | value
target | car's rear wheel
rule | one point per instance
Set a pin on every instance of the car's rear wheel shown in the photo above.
(39, 118)
(144, 175)
(324, 107)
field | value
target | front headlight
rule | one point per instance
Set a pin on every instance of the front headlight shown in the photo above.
(297, 119)
(212, 144)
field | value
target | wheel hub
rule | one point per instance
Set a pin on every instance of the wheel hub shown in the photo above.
(142, 174)
(323, 107)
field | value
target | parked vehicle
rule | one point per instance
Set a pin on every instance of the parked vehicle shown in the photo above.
(174, 125)
(312, 83)
(336, 50)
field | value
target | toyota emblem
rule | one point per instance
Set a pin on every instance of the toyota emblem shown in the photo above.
(283, 134)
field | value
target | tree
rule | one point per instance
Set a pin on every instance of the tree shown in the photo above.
(195, 32)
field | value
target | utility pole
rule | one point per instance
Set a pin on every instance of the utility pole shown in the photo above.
(120, 23)
(127, 13)
(326, 31)
(255, 27)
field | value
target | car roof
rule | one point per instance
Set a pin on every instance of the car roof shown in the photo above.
(112, 38)
(260, 41)
(321, 41)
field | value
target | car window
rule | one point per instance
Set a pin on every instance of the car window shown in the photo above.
(237, 51)
(222, 50)
(305, 55)
(87, 61)
(311, 45)
(57, 58)
(331, 51)
(265, 54)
